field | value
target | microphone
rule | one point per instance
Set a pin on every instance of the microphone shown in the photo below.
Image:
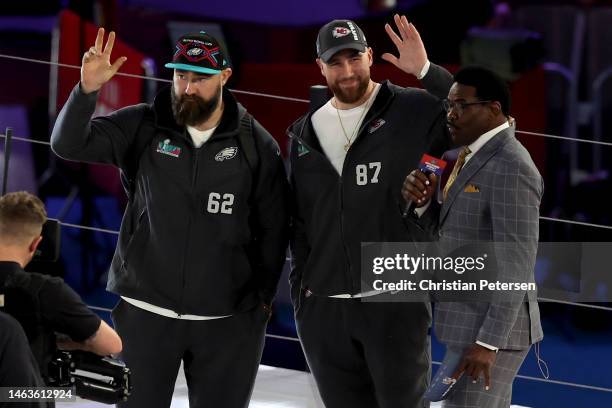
(427, 165)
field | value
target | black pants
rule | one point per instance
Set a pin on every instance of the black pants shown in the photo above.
(366, 354)
(220, 356)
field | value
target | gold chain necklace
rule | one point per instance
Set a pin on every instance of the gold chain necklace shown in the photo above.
(349, 140)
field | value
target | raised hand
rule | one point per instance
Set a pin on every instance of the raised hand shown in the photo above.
(412, 54)
(96, 68)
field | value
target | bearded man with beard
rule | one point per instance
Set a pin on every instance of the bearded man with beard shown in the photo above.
(348, 161)
(203, 239)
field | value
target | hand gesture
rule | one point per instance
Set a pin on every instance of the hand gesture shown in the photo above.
(412, 54)
(96, 68)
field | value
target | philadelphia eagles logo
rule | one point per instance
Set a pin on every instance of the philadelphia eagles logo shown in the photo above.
(194, 51)
(226, 154)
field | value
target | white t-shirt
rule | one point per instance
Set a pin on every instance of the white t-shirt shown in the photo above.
(329, 132)
(332, 139)
(167, 312)
(199, 137)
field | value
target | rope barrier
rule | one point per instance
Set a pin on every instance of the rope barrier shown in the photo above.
(149, 78)
(275, 336)
(573, 139)
(542, 218)
(89, 228)
(565, 302)
(581, 223)
(584, 224)
(286, 98)
(271, 96)
(100, 309)
(58, 64)
(21, 139)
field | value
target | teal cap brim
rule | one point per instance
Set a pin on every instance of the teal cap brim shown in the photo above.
(194, 68)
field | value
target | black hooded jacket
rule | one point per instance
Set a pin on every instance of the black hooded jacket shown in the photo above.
(334, 214)
(202, 234)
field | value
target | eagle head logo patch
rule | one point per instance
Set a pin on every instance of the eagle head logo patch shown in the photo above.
(226, 154)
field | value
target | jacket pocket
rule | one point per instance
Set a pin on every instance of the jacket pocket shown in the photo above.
(138, 238)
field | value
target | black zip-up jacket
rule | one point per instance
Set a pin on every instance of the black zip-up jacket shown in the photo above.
(333, 214)
(189, 240)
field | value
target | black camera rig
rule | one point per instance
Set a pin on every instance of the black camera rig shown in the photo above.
(96, 378)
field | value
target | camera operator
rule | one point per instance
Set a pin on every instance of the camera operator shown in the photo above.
(43, 304)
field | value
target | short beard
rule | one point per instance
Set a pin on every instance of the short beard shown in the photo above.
(350, 96)
(191, 110)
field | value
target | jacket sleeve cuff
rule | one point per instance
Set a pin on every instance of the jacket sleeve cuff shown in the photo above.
(424, 70)
(82, 94)
(487, 346)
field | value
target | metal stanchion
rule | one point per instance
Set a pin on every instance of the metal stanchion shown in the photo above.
(7, 155)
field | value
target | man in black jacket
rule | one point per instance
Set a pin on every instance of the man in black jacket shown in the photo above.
(203, 239)
(348, 161)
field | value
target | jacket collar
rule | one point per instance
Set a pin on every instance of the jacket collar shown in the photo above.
(473, 165)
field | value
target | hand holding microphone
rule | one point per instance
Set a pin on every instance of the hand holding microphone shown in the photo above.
(420, 185)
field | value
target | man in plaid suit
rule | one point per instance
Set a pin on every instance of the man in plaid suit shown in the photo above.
(492, 196)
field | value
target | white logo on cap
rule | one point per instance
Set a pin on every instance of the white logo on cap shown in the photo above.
(353, 30)
(340, 32)
(194, 51)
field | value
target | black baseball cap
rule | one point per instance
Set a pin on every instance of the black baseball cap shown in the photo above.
(198, 52)
(339, 35)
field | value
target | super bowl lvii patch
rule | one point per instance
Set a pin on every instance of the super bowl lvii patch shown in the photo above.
(166, 148)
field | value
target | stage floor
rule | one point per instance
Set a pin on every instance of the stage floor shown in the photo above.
(274, 388)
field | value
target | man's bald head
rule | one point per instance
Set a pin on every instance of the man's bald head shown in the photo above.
(22, 216)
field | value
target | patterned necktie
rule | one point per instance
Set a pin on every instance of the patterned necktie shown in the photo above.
(458, 165)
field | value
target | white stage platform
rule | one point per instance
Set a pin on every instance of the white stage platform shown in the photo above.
(274, 388)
